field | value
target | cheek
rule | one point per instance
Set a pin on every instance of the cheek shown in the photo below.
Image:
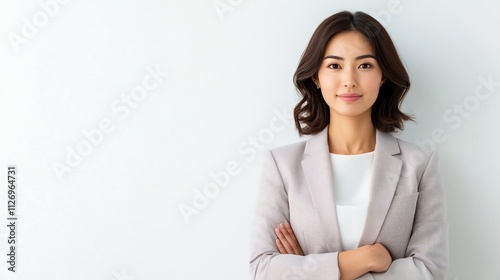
(371, 79)
(372, 84)
(329, 84)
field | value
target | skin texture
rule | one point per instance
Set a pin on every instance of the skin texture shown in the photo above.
(344, 70)
(349, 68)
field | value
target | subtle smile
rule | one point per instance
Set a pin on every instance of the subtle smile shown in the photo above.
(350, 97)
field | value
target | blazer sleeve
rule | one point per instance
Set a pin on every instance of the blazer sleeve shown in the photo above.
(272, 209)
(427, 251)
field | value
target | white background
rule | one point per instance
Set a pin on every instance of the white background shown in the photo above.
(228, 95)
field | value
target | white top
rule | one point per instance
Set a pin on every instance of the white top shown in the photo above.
(351, 183)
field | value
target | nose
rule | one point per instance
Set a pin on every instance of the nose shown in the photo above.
(349, 79)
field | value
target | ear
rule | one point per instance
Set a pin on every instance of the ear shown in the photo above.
(382, 82)
(316, 81)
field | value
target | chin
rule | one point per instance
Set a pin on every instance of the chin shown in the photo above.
(351, 113)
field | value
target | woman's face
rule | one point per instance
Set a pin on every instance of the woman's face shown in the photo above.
(349, 76)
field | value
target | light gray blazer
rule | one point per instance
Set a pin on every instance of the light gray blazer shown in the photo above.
(406, 214)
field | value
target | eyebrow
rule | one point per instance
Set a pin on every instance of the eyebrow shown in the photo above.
(357, 58)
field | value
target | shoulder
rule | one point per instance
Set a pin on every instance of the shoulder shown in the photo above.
(408, 148)
(289, 153)
(285, 161)
(414, 156)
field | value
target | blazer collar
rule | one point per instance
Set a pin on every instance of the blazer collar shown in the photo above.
(318, 174)
(385, 143)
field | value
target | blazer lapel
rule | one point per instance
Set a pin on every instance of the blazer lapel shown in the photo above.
(318, 174)
(385, 177)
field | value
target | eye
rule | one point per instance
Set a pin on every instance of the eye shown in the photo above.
(334, 66)
(365, 66)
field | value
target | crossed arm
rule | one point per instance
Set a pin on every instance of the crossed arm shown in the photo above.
(352, 264)
(277, 255)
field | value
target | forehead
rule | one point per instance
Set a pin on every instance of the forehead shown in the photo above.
(348, 43)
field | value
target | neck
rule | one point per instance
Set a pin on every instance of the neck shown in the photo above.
(351, 135)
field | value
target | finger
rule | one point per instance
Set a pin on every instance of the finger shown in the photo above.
(284, 241)
(290, 237)
(289, 229)
(293, 239)
(281, 249)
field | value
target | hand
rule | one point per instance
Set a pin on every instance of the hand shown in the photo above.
(286, 242)
(370, 258)
(380, 259)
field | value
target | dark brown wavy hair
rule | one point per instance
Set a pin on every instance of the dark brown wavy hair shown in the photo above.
(312, 113)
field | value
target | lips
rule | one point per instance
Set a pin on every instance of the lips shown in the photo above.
(350, 97)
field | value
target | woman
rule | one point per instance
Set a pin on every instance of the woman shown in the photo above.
(353, 201)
